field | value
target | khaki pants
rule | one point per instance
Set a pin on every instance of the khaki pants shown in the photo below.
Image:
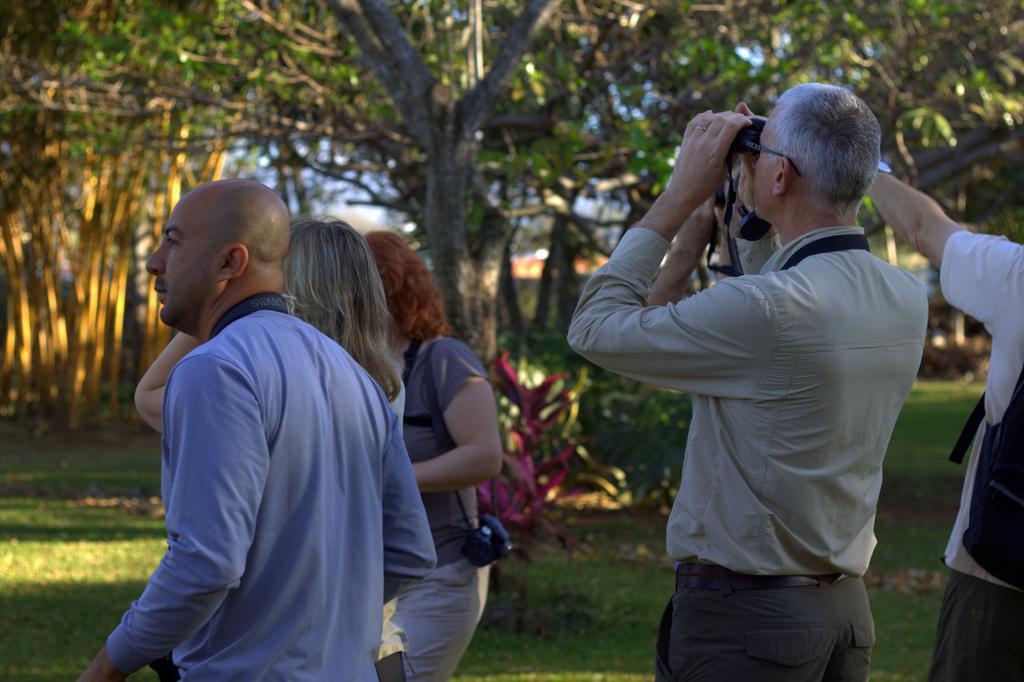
(979, 632)
(791, 634)
(439, 614)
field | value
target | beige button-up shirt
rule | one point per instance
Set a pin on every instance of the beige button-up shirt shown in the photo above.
(798, 376)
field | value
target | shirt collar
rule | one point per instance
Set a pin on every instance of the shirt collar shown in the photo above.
(779, 258)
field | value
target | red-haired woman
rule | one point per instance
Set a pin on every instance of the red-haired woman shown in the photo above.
(451, 433)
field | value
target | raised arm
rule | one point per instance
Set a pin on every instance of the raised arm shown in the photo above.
(687, 249)
(914, 216)
(149, 394)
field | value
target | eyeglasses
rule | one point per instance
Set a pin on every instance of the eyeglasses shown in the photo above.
(758, 148)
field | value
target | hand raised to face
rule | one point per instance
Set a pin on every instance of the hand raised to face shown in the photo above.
(700, 168)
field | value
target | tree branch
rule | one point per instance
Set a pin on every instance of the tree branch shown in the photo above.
(386, 50)
(957, 161)
(479, 102)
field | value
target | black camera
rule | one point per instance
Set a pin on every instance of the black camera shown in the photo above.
(748, 139)
(752, 226)
(487, 543)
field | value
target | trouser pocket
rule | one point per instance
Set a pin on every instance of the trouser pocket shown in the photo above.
(790, 647)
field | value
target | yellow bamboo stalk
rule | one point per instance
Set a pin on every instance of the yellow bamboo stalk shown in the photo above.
(85, 320)
(157, 218)
(115, 199)
(55, 282)
(214, 165)
(124, 228)
(10, 335)
(19, 314)
(174, 175)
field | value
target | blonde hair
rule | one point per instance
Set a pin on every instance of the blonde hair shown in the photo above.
(332, 282)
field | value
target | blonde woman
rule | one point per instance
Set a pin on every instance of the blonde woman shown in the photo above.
(332, 282)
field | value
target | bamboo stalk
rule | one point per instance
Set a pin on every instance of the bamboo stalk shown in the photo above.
(19, 315)
(116, 197)
(89, 257)
(10, 333)
(119, 290)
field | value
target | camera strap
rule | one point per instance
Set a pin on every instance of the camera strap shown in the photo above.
(837, 242)
(268, 300)
(752, 228)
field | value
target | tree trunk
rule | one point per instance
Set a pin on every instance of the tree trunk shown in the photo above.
(890, 245)
(567, 287)
(448, 171)
(513, 312)
(487, 248)
(482, 303)
(542, 313)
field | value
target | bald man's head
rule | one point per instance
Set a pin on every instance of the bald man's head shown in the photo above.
(242, 211)
(223, 242)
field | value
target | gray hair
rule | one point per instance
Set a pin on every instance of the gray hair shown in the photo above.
(331, 281)
(835, 140)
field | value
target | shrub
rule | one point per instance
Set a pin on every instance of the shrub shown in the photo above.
(628, 437)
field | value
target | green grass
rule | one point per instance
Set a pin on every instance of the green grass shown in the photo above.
(78, 539)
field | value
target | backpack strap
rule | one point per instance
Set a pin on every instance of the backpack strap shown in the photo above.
(435, 420)
(968, 432)
(971, 427)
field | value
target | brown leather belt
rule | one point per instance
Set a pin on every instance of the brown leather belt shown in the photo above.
(713, 577)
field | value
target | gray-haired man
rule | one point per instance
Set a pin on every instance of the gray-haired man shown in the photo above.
(798, 374)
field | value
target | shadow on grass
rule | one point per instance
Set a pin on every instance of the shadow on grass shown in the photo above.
(51, 631)
(30, 533)
(49, 520)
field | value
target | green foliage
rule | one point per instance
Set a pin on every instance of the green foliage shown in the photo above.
(641, 430)
(634, 434)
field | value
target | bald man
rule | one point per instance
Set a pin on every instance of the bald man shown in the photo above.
(292, 509)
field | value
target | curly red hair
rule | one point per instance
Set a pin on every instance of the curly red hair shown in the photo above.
(413, 298)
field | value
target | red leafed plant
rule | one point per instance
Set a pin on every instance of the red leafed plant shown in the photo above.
(540, 454)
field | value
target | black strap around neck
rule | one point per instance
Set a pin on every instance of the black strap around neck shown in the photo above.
(268, 300)
(838, 242)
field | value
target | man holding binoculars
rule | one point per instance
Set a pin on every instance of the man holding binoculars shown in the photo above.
(798, 373)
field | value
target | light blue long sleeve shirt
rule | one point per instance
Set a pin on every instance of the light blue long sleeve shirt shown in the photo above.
(292, 513)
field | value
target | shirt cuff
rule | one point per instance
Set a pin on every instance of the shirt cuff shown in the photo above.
(122, 655)
(640, 251)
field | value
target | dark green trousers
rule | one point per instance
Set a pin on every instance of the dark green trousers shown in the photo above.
(980, 633)
(792, 634)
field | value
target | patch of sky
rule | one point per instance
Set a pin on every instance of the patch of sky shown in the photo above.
(751, 55)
